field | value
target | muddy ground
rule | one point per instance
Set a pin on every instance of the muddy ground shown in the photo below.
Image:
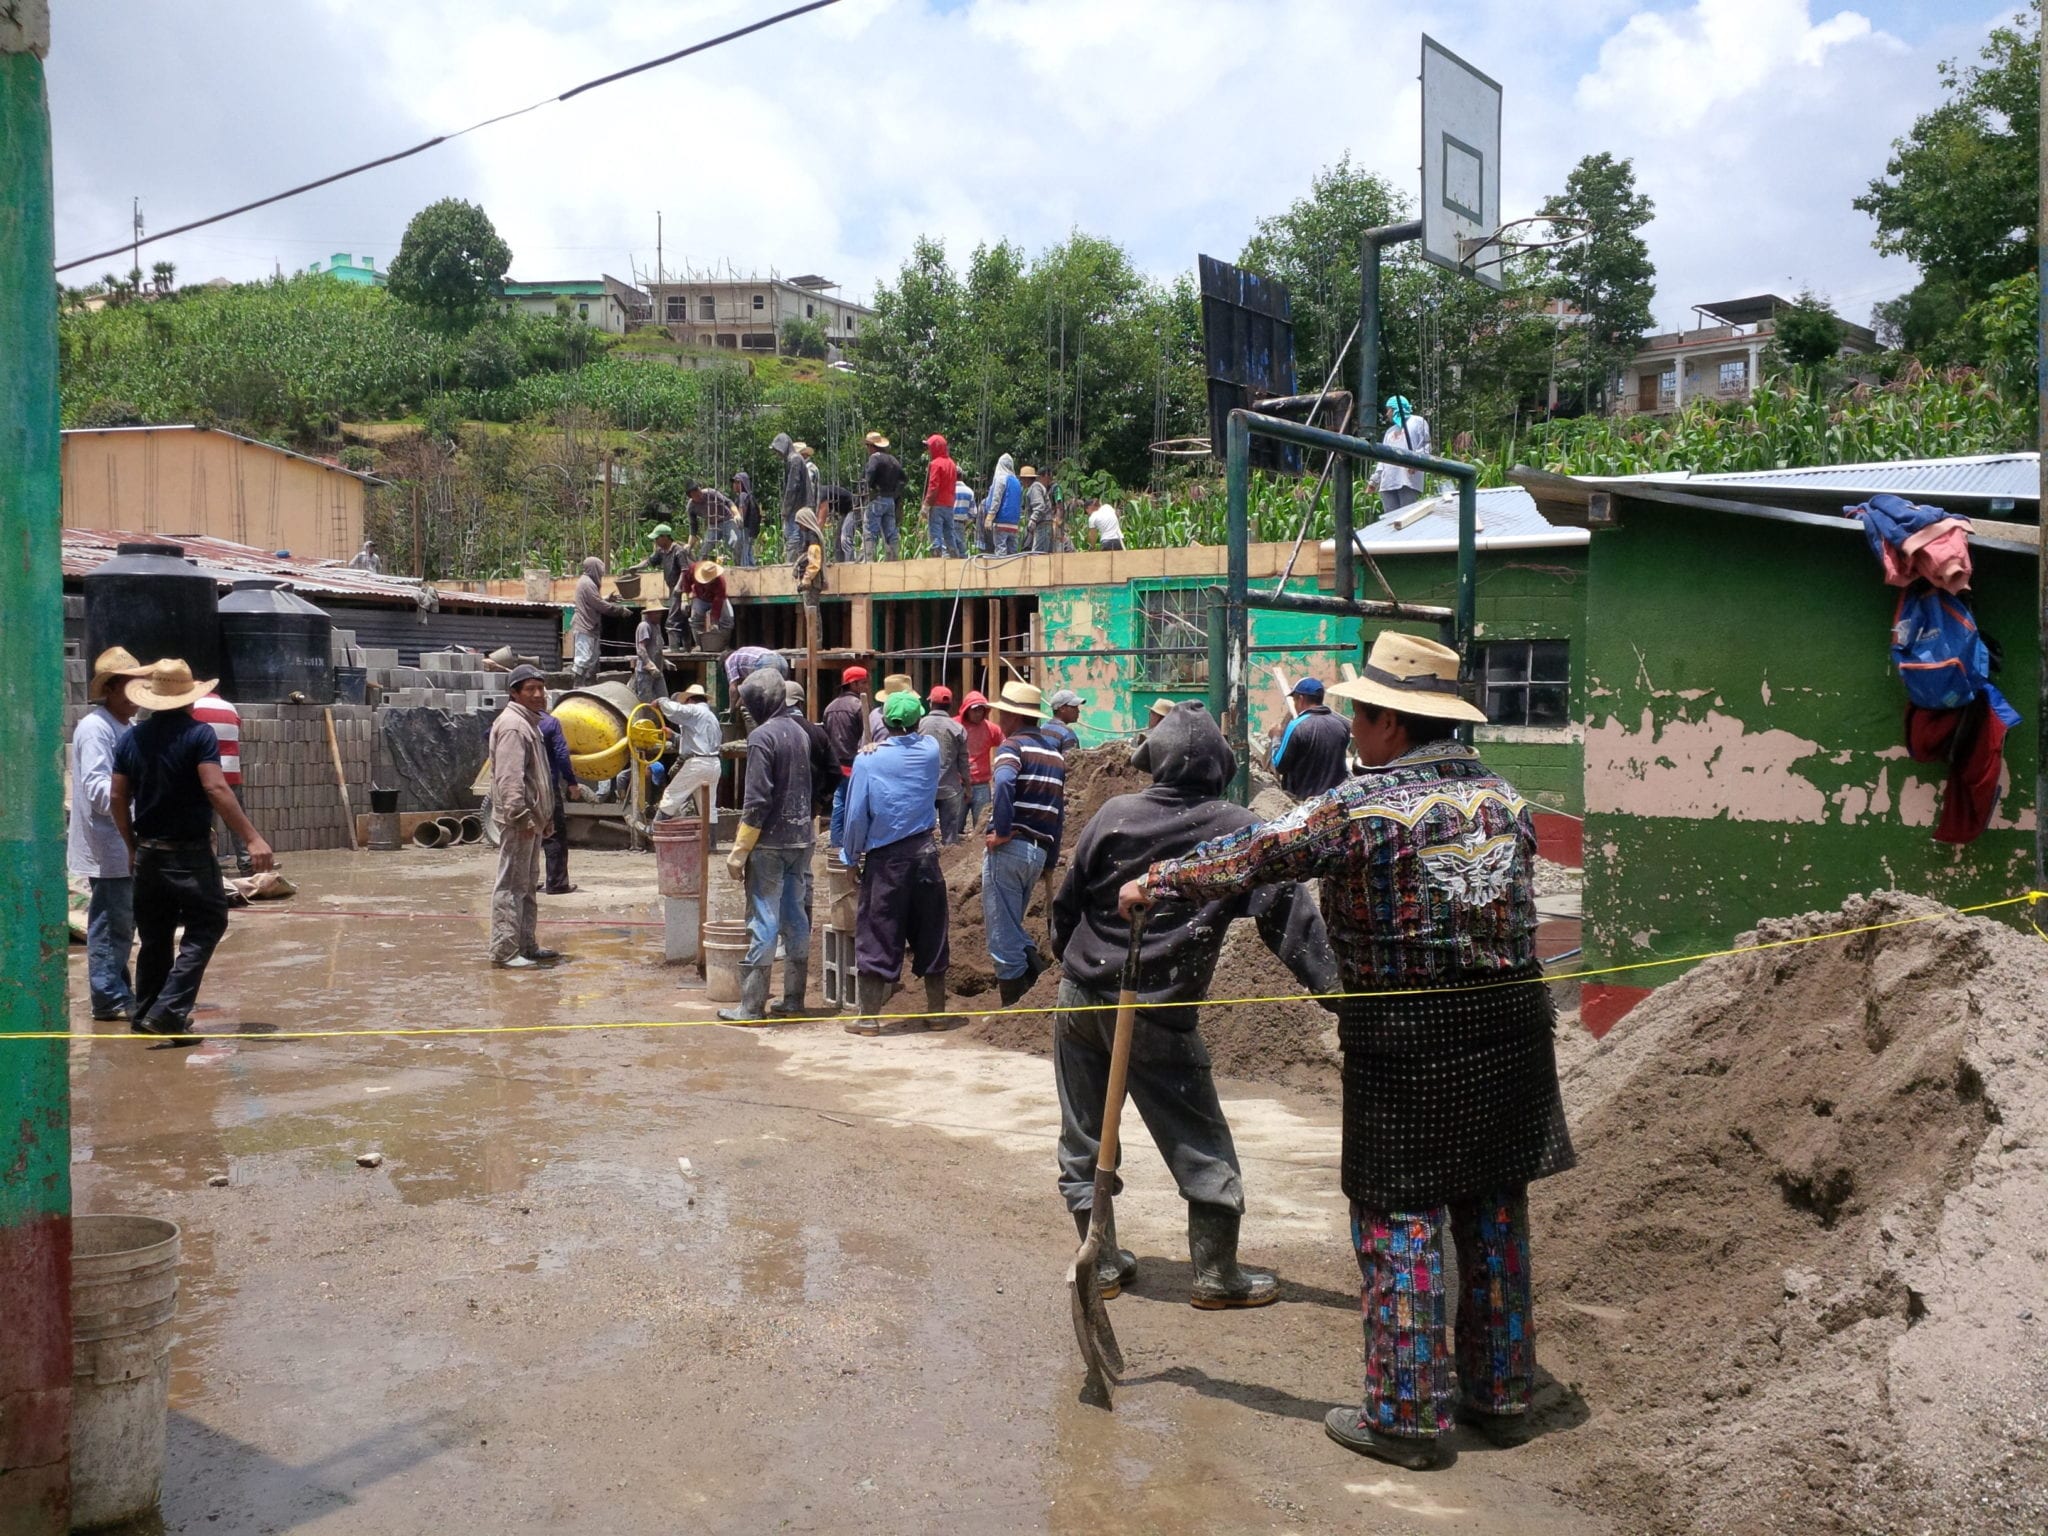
(850, 1314)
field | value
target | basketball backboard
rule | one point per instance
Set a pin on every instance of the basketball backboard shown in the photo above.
(1460, 165)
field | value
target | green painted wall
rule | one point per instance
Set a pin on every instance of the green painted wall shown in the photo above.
(1744, 753)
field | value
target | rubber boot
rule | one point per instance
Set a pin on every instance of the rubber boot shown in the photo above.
(1114, 1267)
(796, 975)
(752, 1007)
(1219, 1283)
(870, 993)
(935, 1001)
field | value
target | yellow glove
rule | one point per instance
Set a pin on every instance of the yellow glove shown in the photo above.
(742, 845)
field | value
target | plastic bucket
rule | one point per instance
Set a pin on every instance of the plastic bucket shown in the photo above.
(679, 856)
(124, 1295)
(383, 802)
(351, 685)
(725, 948)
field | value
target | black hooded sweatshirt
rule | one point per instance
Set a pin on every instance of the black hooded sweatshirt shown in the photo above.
(1190, 763)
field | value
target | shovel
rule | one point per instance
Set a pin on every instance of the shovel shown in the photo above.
(1099, 1351)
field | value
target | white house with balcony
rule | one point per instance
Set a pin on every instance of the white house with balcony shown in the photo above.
(1718, 359)
(746, 314)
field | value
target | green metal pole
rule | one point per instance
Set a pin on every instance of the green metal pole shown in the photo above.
(1219, 658)
(35, 1106)
(1369, 318)
(2041, 555)
(1237, 663)
(1468, 561)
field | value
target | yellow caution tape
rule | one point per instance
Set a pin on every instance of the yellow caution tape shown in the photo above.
(2030, 898)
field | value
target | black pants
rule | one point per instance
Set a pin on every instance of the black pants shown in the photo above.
(903, 905)
(175, 888)
(554, 847)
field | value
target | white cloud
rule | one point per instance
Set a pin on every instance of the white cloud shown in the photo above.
(829, 143)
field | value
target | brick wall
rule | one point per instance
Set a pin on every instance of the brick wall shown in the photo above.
(288, 785)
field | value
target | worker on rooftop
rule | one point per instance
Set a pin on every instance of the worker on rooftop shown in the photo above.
(650, 677)
(890, 819)
(1451, 1102)
(1169, 1069)
(796, 492)
(587, 629)
(884, 479)
(1409, 431)
(367, 559)
(671, 560)
(1038, 512)
(941, 483)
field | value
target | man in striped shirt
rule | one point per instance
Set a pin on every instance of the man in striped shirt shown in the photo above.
(1026, 819)
(226, 721)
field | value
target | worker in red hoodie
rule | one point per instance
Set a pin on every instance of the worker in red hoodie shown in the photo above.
(983, 737)
(939, 482)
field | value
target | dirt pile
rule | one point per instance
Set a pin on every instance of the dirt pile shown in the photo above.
(1799, 1275)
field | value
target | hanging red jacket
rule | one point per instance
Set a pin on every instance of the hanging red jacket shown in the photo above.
(1971, 740)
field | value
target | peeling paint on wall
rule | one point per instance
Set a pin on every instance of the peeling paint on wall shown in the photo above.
(1700, 769)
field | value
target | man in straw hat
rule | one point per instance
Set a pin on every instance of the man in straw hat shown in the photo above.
(1038, 513)
(890, 819)
(1190, 763)
(167, 788)
(710, 604)
(698, 737)
(884, 480)
(1027, 815)
(95, 849)
(650, 674)
(1451, 1104)
(878, 728)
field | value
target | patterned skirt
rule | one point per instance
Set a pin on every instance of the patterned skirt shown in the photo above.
(1450, 1094)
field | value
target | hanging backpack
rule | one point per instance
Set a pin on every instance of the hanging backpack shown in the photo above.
(1941, 657)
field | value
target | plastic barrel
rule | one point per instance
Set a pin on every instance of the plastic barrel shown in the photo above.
(124, 1294)
(678, 857)
(383, 831)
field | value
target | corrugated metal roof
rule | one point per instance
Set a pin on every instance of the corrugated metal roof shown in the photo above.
(1988, 476)
(1508, 518)
(86, 549)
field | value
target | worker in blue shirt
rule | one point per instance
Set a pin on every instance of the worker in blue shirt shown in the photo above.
(890, 818)
(1310, 754)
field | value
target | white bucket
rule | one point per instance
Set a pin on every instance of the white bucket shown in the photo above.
(124, 1294)
(725, 948)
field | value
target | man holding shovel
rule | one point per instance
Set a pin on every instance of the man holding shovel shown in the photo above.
(1169, 1068)
(1451, 1102)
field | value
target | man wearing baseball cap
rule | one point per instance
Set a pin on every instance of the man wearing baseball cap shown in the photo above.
(166, 790)
(1311, 753)
(846, 729)
(1065, 706)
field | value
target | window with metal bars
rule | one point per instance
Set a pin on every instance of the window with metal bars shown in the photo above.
(1175, 617)
(1527, 682)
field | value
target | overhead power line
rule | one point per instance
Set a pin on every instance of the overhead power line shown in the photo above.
(131, 245)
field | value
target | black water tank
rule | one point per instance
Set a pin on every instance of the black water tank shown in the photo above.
(274, 644)
(152, 600)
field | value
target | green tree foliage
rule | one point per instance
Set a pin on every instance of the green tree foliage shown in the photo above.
(1959, 197)
(450, 265)
(1809, 333)
(1606, 276)
(803, 338)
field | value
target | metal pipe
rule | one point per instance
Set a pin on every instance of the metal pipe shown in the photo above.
(1369, 312)
(1346, 572)
(1356, 447)
(1337, 607)
(35, 1081)
(1237, 651)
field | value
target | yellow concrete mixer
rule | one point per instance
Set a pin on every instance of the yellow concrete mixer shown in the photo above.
(607, 728)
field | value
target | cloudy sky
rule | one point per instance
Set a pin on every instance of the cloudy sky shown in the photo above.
(828, 143)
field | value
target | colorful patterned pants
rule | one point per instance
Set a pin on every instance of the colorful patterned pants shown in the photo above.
(1407, 1356)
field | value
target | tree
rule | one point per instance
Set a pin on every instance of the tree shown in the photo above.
(1809, 333)
(1959, 196)
(163, 276)
(1606, 276)
(803, 338)
(450, 265)
(1314, 248)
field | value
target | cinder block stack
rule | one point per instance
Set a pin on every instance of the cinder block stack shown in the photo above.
(288, 783)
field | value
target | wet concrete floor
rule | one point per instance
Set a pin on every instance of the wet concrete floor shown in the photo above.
(850, 1313)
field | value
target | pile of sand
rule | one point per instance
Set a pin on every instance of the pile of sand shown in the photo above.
(1800, 1276)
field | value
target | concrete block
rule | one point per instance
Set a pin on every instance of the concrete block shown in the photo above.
(379, 656)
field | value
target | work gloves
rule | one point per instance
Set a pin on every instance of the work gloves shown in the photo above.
(742, 846)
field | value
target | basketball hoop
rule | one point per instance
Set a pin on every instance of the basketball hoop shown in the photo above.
(1183, 448)
(1506, 249)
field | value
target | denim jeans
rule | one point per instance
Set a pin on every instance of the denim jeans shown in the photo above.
(742, 546)
(945, 534)
(882, 527)
(838, 833)
(174, 889)
(779, 904)
(979, 798)
(1007, 873)
(109, 935)
(951, 805)
(1006, 541)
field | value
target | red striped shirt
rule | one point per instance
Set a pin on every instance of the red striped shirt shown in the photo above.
(227, 725)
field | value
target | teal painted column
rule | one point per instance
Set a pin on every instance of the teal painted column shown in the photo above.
(35, 1113)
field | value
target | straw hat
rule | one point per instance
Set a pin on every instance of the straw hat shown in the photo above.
(896, 682)
(168, 685)
(802, 448)
(876, 440)
(1027, 473)
(708, 571)
(695, 691)
(113, 662)
(1412, 675)
(1161, 708)
(1020, 699)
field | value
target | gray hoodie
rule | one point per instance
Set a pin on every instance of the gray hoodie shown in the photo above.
(591, 606)
(778, 782)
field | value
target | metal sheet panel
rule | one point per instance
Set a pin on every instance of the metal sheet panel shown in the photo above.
(1247, 351)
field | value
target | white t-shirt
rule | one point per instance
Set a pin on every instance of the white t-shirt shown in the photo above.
(1105, 525)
